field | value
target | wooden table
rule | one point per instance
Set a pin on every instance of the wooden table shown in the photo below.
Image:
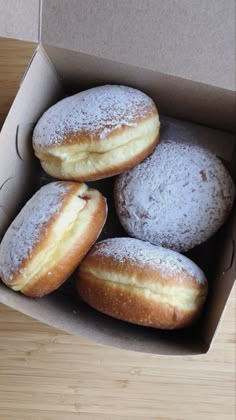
(47, 374)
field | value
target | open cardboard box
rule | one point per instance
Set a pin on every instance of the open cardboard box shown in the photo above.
(189, 74)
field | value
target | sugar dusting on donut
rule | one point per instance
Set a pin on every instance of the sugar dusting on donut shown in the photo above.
(97, 111)
(146, 254)
(177, 198)
(26, 230)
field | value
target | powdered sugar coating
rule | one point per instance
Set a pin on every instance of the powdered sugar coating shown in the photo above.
(95, 112)
(26, 230)
(147, 255)
(177, 198)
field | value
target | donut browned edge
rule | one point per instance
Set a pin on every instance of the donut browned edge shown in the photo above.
(120, 151)
(109, 288)
(65, 261)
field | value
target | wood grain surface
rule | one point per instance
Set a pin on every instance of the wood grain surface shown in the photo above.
(14, 57)
(46, 374)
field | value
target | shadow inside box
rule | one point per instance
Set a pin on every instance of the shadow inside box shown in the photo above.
(113, 331)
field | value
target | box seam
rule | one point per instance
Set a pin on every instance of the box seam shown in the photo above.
(59, 78)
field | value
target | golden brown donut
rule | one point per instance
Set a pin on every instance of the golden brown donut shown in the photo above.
(141, 283)
(97, 133)
(50, 236)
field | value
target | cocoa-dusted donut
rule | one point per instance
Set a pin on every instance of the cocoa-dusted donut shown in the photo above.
(97, 133)
(177, 198)
(50, 236)
(141, 283)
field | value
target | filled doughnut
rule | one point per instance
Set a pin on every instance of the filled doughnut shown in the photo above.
(97, 133)
(141, 283)
(50, 236)
(178, 197)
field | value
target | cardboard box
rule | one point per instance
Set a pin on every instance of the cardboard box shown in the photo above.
(182, 55)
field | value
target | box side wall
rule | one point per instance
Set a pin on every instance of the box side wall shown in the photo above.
(194, 40)
(224, 281)
(177, 97)
(63, 312)
(212, 338)
(38, 91)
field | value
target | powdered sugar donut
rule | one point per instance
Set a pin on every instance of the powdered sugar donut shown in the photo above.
(141, 283)
(96, 133)
(176, 198)
(50, 236)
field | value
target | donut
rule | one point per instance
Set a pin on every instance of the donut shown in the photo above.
(177, 198)
(141, 283)
(97, 133)
(50, 236)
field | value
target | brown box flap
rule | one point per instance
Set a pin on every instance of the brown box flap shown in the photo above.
(194, 40)
(19, 19)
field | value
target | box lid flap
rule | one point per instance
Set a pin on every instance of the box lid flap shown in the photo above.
(19, 19)
(194, 39)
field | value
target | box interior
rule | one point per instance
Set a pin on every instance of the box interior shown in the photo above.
(187, 39)
(54, 73)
